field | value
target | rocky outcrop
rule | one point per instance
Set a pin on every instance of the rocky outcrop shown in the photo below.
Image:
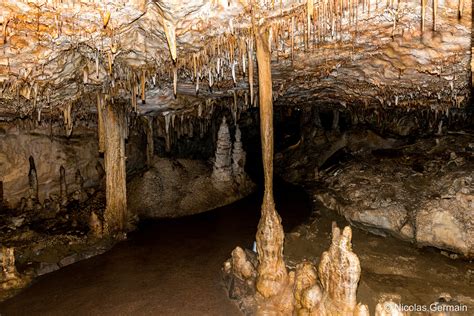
(422, 193)
(447, 223)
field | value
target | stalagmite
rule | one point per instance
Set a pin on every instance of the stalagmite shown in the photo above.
(222, 170)
(272, 273)
(33, 179)
(238, 157)
(339, 273)
(62, 186)
(8, 269)
(95, 225)
(115, 215)
(167, 132)
(150, 148)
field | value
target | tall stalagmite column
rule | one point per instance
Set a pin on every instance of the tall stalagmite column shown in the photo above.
(272, 274)
(115, 215)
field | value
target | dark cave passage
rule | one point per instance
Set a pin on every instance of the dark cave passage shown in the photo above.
(165, 267)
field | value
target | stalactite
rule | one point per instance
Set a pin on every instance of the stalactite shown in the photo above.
(250, 72)
(97, 64)
(167, 132)
(194, 67)
(33, 179)
(197, 84)
(175, 81)
(115, 214)
(170, 31)
(142, 86)
(100, 123)
(106, 19)
(1, 194)
(435, 13)
(461, 8)
(272, 273)
(233, 73)
(309, 15)
(423, 10)
(68, 123)
(292, 38)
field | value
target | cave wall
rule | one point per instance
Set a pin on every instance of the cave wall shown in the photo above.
(50, 149)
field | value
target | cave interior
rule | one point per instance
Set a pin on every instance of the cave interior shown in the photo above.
(223, 157)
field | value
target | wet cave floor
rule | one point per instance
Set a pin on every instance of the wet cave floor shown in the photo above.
(172, 267)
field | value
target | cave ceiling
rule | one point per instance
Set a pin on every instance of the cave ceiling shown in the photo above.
(186, 55)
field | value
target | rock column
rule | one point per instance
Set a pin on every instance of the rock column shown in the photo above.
(116, 193)
(272, 273)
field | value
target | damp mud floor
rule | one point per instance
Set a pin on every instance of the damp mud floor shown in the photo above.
(173, 267)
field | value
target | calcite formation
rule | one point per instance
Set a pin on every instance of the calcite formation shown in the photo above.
(71, 50)
(238, 158)
(222, 169)
(9, 277)
(328, 289)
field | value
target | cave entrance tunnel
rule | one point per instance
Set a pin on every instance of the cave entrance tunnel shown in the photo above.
(236, 157)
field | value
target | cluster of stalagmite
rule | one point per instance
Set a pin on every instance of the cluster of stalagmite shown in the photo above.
(327, 289)
(229, 158)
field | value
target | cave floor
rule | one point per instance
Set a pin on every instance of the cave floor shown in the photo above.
(172, 267)
(166, 267)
